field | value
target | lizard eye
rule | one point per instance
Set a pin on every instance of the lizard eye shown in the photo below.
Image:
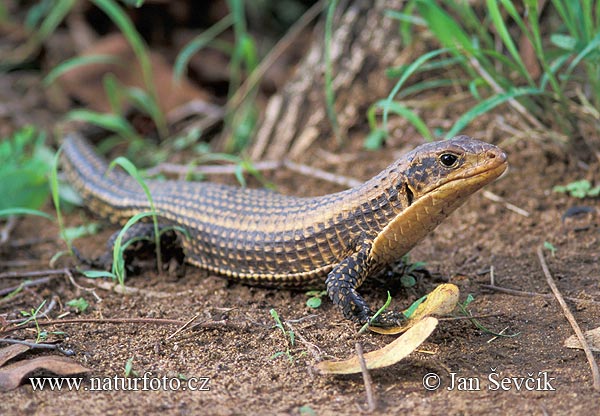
(448, 160)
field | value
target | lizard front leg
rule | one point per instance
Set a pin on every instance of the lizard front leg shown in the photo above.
(342, 282)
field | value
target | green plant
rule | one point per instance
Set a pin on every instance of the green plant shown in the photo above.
(32, 315)
(550, 247)
(288, 334)
(463, 308)
(490, 65)
(315, 298)
(24, 165)
(329, 93)
(579, 189)
(80, 304)
(129, 371)
(379, 312)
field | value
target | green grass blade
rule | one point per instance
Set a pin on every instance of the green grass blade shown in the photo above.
(111, 122)
(487, 105)
(24, 211)
(125, 25)
(410, 69)
(329, 92)
(500, 27)
(56, 15)
(77, 62)
(133, 171)
(411, 116)
(593, 46)
(198, 43)
(56, 197)
(446, 30)
(118, 267)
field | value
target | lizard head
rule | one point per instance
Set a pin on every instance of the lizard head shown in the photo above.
(460, 165)
(432, 181)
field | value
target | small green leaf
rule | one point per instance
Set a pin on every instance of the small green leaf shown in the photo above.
(80, 304)
(129, 367)
(563, 41)
(468, 300)
(314, 302)
(550, 247)
(95, 274)
(412, 308)
(408, 281)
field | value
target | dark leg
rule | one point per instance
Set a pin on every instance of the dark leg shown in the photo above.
(341, 287)
(342, 282)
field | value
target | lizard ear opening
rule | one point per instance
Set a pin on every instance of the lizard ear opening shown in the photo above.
(410, 197)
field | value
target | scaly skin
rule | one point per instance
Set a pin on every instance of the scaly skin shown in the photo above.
(264, 238)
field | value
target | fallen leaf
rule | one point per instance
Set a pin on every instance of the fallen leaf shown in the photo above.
(11, 352)
(13, 375)
(85, 82)
(441, 301)
(392, 353)
(592, 337)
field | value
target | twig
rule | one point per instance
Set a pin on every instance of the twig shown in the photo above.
(49, 308)
(78, 286)
(469, 317)
(306, 170)
(372, 405)
(25, 284)
(497, 198)
(321, 174)
(184, 326)
(571, 319)
(33, 345)
(35, 273)
(29, 242)
(522, 293)
(230, 169)
(10, 225)
(154, 321)
(495, 337)
(315, 350)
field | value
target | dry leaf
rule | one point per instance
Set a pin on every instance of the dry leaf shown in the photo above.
(592, 337)
(12, 375)
(392, 353)
(441, 301)
(11, 352)
(85, 82)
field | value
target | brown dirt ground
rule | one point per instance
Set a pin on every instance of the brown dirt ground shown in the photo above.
(237, 356)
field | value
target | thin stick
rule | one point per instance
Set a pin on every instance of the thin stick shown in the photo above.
(497, 198)
(321, 174)
(25, 284)
(314, 350)
(498, 89)
(78, 286)
(155, 321)
(522, 293)
(306, 170)
(184, 326)
(372, 404)
(571, 319)
(229, 169)
(40, 346)
(35, 273)
(10, 225)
